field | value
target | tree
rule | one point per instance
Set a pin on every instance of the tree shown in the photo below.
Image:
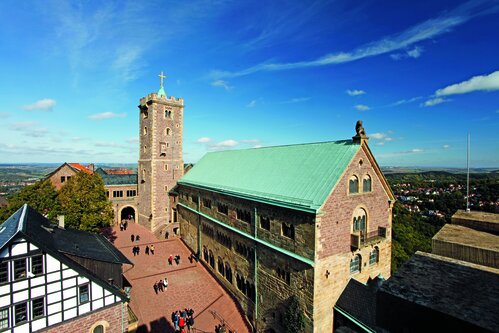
(41, 196)
(294, 321)
(84, 203)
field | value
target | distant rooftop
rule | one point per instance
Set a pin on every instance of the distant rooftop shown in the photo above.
(459, 289)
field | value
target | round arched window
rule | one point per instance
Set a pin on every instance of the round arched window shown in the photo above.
(353, 185)
(98, 329)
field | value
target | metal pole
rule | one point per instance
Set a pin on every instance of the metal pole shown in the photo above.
(255, 267)
(468, 175)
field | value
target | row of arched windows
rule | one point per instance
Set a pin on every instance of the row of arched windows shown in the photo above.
(168, 131)
(356, 261)
(353, 184)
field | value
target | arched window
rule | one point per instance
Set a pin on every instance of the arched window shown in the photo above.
(145, 130)
(166, 167)
(205, 253)
(168, 113)
(212, 259)
(168, 131)
(355, 264)
(360, 221)
(353, 185)
(145, 149)
(374, 256)
(98, 329)
(221, 266)
(366, 184)
(228, 272)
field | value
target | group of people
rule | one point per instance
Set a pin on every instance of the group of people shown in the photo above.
(222, 329)
(161, 285)
(172, 258)
(182, 319)
(123, 225)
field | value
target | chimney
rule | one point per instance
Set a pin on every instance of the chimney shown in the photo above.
(60, 218)
(91, 167)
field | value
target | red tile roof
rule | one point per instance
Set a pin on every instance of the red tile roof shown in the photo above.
(81, 168)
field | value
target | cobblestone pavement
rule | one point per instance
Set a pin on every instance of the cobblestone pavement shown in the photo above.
(190, 285)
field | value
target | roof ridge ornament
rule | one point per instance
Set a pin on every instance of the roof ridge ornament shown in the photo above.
(361, 136)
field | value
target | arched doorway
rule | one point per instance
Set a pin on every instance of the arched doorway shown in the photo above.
(128, 214)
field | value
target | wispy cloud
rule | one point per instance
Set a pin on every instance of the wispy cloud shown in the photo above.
(251, 104)
(222, 145)
(381, 138)
(405, 101)
(355, 92)
(412, 53)
(109, 144)
(106, 115)
(434, 101)
(203, 140)
(222, 83)
(488, 82)
(296, 100)
(446, 146)
(4, 115)
(362, 107)
(29, 128)
(133, 140)
(45, 104)
(420, 32)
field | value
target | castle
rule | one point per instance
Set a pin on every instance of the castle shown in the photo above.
(268, 222)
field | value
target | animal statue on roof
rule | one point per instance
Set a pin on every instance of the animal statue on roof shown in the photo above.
(359, 129)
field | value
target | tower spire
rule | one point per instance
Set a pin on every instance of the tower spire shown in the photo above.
(161, 91)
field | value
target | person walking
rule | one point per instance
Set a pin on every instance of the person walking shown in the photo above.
(160, 285)
(147, 249)
(170, 260)
(132, 237)
(155, 288)
(138, 250)
(134, 251)
(152, 249)
(167, 234)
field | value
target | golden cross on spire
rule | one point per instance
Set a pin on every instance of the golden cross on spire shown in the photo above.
(161, 77)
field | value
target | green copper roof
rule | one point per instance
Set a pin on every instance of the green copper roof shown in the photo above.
(161, 92)
(297, 176)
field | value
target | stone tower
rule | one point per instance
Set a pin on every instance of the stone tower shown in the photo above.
(160, 157)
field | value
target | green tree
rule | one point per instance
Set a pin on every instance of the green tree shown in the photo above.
(41, 196)
(294, 321)
(84, 204)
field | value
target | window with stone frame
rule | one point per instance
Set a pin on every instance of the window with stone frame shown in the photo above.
(63, 179)
(168, 131)
(355, 264)
(20, 269)
(224, 240)
(374, 256)
(98, 329)
(360, 221)
(131, 193)
(206, 203)
(228, 272)
(366, 184)
(205, 254)
(168, 113)
(244, 250)
(353, 185)
(145, 130)
(20, 313)
(288, 230)
(194, 198)
(223, 209)
(4, 272)
(221, 266)
(4, 318)
(117, 194)
(265, 222)
(212, 259)
(243, 215)
(207, 230)
(38, 308)
(284, 275)
(37, 264)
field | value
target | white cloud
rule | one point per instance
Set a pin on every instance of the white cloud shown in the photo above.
(488, 82)
(428, 29)
(29, 128)
(355, 92)
(106, 115)
(222, 83)
(257, 146)
(45, 104)
(361, 107)
(133, 140)
(416, 150)
(227, 143)
(445, 146)
(250, 141)
(22, 125)
(296, 100)
(405, 101)
(203, 140)
(414, 53)
(251, 104)
(377, 136)
(434, 101)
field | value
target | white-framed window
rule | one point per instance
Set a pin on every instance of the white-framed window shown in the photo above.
(37, 264)
(84, 293)
(38, 307)
(20, 313)
(20, 269)
(4, 318)
(4, 272)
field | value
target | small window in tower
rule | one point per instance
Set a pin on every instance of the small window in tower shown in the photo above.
(168, 131)
(168, 113)
(166, 167)
(145, 149)
(166, 188)
(145, 130)
(177, 125)
(145, 114)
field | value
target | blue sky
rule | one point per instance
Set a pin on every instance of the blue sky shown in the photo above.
(420, 74)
